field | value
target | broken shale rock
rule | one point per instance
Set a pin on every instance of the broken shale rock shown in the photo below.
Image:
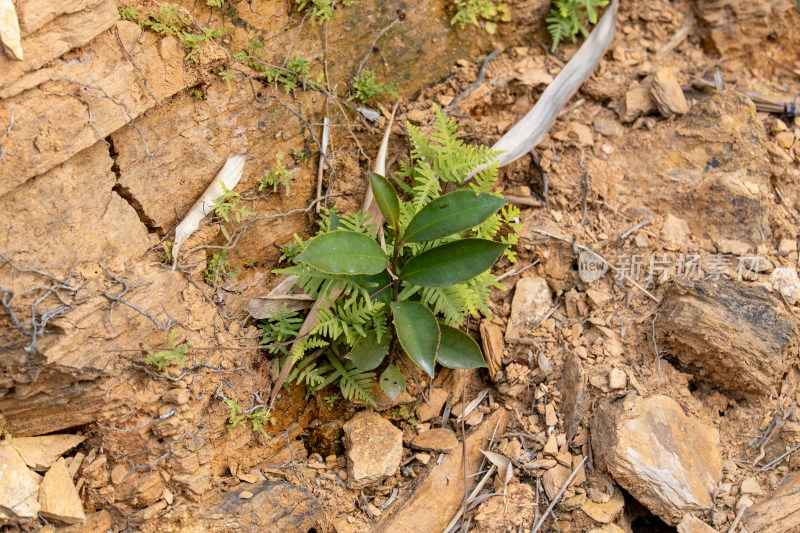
(274, 506)
(374, 449)
(39, 453)
(777, 512)
(729, 334)
(19, 488)
(575, 393)
(668, 461)
(711, 164)
(58, 497)
(532, 301)
(438, 497)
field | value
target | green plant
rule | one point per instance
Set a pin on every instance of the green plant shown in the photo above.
(331, 400)
(475, 11)
(320, 10)
(196, 92)
(226, 77)
(129, 13)
(301, 156)
(257, 418)
(276, 177)
(295, 73)
(568, 17)
(220, 268)
(173, 354)
(167, 247)
(433, 273)
(404, 413)
(367, 89)
(227, 204)
(291, 249)
(170, 21)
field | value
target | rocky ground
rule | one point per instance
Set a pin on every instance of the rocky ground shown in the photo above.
(656, 395)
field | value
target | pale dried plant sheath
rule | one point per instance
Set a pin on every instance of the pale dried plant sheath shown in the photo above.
(532, 128)
(230, 174)
(9, 29)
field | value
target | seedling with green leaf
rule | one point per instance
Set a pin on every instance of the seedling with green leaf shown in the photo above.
(432, 274)
(276, 177)
(227, 204)
(257, 418)
(367, 90)
(567, 18)
(476, 12)
(162, 359)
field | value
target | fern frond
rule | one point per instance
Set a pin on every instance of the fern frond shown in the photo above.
(452, 301)
(353, 382)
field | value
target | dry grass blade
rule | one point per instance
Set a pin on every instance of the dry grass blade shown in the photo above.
(533, 127)
(229, 175)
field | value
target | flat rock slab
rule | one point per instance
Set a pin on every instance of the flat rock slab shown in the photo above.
(778, 512)
(439, 496)
(709, 168)
(731, 335)
(58, 497)
(19, 487)
(436, 440)
(668, 461)
(374, 449)
(39, 453)
(532, 301)
(274, 506)
(575, 394)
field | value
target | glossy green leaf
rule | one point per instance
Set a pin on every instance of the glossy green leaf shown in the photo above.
(392, 382)
(458, 350)
(418, 333)
(336, 223)
(373, 285)
(368, 353)
(344, 252)
(451, 263)
(386, 198)
(451, 213)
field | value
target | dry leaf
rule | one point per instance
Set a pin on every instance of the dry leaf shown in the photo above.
(532, 128)
(9, 29)
(230, 175)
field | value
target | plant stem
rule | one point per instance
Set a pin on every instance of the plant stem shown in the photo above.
(395, 280)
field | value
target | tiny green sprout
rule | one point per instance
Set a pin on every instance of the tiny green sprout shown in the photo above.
(161, 360)
(167, 246)
(196, 92)
(276, 177)
(227, 77)
(476, 11)
(320, 10)
(331, 400)
(129, 13)
(227, 204)
(220, 268)
(368, 90)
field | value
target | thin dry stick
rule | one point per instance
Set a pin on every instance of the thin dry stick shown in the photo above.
(522, 200)
(558, 496)
(612, 267)
(372, 46)
(474, 85)
(472, 496)
(464, 448)
(326, 132)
